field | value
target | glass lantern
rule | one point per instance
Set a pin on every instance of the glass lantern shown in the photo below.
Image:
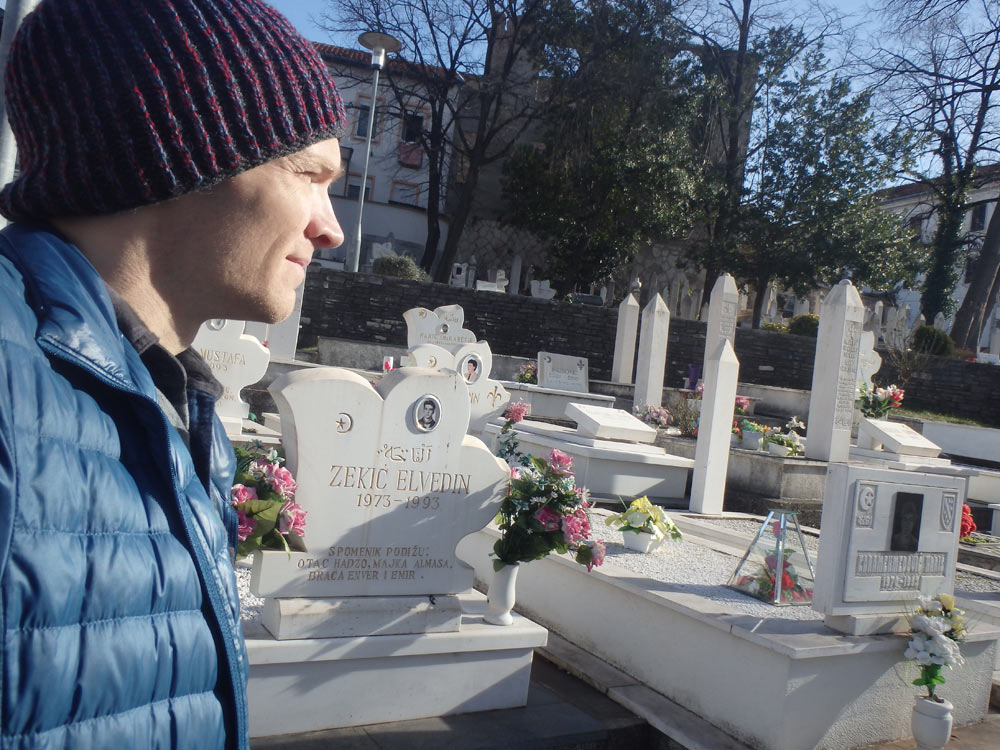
(779, 538)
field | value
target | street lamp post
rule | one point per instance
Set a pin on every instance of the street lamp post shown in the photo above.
(379, 44)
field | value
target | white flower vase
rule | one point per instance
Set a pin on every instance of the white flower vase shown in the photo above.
(753, 440)
(778, 450)
(931, 723)
(500, 597)
(639, 541)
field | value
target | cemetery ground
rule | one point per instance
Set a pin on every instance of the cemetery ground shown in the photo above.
(381, 587)
(577, 700)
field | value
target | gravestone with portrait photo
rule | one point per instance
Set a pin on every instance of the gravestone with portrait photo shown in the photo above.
(390, 483)
(446, 344)
(236, 360)
(443, 326)
(888, 537)
(474, 362)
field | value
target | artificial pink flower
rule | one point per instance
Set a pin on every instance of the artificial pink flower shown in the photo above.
(560, 462)
(246, 525)
(548, 518)
(292, 518)
(515, 473)
(516, 412)
(239, 494)
(597, 549)
(282, 481)
(576, 526)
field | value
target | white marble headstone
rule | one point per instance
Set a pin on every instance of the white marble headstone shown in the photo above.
(835, 373)
(721, 321)
(879, 434)
(389, 484)
(888, 536)
(562, 372)
(236, 360)
(442, 326)
(869, 361)
(609, 424)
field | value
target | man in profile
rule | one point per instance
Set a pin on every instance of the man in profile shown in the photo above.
(174, 158)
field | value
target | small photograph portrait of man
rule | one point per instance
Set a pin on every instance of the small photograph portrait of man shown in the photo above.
(427, 413)
(906, 522)
(471, 368)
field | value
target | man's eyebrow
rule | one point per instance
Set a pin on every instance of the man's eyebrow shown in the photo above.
(310, 163)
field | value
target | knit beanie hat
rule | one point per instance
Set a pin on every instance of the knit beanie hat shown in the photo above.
(122, 103)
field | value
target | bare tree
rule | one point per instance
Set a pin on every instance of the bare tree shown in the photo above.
(940, 79)
(464, 61)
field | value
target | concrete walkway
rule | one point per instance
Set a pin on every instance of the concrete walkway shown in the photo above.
(982, 736)
(562, 713)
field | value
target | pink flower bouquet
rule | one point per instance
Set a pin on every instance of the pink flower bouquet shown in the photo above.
(264, 499)
(544, 512)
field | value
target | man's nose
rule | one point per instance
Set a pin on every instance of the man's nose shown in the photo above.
(324, 230)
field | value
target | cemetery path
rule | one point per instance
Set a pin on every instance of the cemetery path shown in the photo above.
(562, 713)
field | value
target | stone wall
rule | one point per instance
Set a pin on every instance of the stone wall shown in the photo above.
(370, 308)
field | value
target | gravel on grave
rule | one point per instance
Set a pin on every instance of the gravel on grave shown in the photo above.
(250, 605)
(689, 563)
(964, 581)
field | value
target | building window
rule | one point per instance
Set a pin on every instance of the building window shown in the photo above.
(413, 127)
(364, 112)
(354, 187)
(404, 192)
(977, 223)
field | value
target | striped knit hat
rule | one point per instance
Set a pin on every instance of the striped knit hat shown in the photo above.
(122, 103)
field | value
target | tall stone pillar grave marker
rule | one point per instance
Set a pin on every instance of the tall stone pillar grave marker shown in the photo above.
(711, 456)
(236, 360)
(628, 325)
(722, 310)
(390, 483)
(652, 353)
(888, 537)
(835, 374)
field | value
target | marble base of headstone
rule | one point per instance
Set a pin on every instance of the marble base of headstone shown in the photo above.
(391, 677)
(332, 617)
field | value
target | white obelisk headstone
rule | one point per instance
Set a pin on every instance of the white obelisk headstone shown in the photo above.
(722, 310)
(652, 353)
(711, 457)
(628, 325)
(835, 374)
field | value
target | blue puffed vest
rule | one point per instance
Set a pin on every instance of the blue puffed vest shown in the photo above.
(119, 610)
